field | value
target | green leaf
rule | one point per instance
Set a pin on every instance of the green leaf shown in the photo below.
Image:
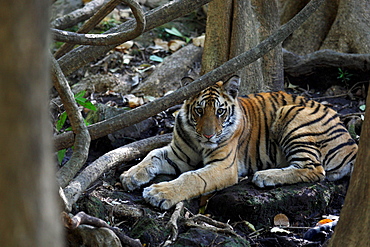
(61, 121)
(174, 31)
(362, 107)
(61, 154)
(156, 58)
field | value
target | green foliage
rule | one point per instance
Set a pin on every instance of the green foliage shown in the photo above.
(173, 31)
(344, 76)
(79, 97)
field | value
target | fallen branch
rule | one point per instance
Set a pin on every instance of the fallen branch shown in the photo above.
(106, 162)
(172, 224)
(82, 55)
(203, 222)
(82, 218)
(78, 15)
(82, 140)
(296, 65)
(136, 115)
(87, 26)
(108, 38)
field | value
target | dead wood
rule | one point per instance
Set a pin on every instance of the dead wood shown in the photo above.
(78, 15)
(82, 55)
(172, 224)
(106, 162)
(82, 218)
(87, 26)
(204, 222)
(105, 39)
(82, 140)
(296, 65)
(136, 115)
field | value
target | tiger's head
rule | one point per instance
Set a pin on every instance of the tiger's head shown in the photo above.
(212, 113)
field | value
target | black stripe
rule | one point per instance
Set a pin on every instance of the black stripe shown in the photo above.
(218, 160)
(173, 164)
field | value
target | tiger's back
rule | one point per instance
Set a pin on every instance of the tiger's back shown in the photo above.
(219, 137)
(290, 130)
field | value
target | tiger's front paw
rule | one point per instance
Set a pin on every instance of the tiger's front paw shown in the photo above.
(162, 195)
(135, 177)
(266, 178)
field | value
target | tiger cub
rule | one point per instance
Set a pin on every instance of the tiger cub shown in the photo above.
(219, 137)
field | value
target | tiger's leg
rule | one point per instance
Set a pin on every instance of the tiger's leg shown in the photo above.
(214, 176)
(158, 161)
(299, 135)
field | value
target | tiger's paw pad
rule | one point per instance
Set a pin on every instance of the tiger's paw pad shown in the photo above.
(160, 195)
(267, 178)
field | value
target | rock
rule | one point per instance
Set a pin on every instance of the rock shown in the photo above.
(259, 206)
(102, 83)
(167, 76)
(91, 236)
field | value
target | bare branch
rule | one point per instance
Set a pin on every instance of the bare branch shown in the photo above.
(136, 115)
(297, 65)
(82, 55)
(108, 38)
(106, 162)
(82, 141)
(78, 15)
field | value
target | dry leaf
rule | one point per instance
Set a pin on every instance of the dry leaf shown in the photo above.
(176, 44)
(125, 46)
(199, 41)
(324, 221)
(133, 101)
(161, 43)
(281, 220)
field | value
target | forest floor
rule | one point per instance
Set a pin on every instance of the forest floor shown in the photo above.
(248, 210)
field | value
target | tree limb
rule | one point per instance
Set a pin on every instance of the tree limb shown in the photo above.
(81, 218)
(82, 140)
(78, 15)
(296, 65)
(123, 154)
(136, 115)
(82, 55)
(90, 24)
(108, 38)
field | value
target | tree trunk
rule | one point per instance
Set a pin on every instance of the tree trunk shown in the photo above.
(339, 25)
(29, 211)
(217, 43)
(232, 30)
(354, 225)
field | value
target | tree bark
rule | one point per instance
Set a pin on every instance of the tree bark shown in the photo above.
(217, 43)
(232, 30)
(29, 211)
(339, 25)
(354, 225)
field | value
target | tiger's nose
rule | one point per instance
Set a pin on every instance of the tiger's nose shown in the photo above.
(208, 136)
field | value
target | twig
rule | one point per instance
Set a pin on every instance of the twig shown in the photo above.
(82, 141)
(90, 24)
(123, 154)
(203, 222)
(83, 218)
(108, 38)
(136, 115)
(79, 15)
(172, 223)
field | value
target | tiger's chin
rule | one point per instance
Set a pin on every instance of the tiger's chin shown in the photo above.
(209, 145)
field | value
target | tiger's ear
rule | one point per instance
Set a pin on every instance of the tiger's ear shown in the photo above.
(232, 86)
(186, 80)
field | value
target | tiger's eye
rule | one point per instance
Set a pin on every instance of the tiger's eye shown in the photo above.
(220, 111)
(199, 110)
